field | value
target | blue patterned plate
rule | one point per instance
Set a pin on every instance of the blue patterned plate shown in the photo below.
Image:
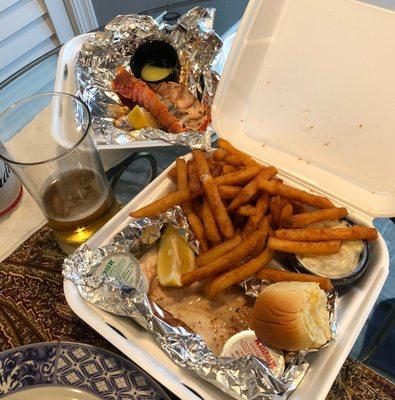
(66, 371)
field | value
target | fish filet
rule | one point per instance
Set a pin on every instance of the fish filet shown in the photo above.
(216, 320)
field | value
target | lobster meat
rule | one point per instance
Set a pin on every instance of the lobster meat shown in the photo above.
(170, 103)
(190, 112)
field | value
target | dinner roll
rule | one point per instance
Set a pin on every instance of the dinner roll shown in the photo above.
(292, 316)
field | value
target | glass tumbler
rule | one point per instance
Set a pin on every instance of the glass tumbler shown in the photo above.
(46, 139)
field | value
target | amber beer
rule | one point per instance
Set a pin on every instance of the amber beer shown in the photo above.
(48, 141)
(77, 204)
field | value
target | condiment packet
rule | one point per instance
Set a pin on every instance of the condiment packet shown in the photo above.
(246, 343)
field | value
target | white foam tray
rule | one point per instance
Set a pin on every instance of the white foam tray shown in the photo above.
(239, 115)
(353, 310)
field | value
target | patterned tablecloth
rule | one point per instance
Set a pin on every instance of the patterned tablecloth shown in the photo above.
(33, 309)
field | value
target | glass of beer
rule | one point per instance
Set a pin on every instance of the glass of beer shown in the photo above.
(47, 141)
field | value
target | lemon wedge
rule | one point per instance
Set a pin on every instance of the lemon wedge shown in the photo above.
(140, 118)
(175, 258)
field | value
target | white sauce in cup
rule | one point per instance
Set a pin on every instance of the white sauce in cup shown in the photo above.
(339, 265)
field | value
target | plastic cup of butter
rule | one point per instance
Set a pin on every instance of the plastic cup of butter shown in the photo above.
(246, 343)
(343, 268)
(155, 61)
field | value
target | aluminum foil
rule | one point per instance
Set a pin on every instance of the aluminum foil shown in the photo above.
(100, 55)
(194, 140)
(244, 378)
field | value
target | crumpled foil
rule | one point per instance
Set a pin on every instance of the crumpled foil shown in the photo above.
(100, 55)
(244, 378)
(194, 140)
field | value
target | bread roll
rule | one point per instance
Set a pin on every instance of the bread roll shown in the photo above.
(292, 316)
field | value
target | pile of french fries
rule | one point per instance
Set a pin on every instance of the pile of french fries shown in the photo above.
(241, 214)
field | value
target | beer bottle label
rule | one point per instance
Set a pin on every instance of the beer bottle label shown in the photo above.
(10, 189)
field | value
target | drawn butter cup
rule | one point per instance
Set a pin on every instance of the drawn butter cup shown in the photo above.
(159, 53)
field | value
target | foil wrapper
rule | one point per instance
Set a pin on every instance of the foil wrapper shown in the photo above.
(246, 377)
(197, 46)
(194, 140)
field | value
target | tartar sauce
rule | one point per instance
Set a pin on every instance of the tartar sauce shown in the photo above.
(339, 265)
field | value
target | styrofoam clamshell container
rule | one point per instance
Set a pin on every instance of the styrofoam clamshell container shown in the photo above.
(308, 89)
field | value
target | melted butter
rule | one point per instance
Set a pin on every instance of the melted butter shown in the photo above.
(151, 73)
(337, 265)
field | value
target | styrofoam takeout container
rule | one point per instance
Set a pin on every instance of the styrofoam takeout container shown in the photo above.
(302, 76)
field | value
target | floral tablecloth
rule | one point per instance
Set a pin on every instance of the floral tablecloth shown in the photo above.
(33, 309)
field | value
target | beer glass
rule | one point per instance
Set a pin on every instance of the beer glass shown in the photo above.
(46, 139)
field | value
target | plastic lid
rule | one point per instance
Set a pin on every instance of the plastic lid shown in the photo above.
(309, 87)
(246, 343)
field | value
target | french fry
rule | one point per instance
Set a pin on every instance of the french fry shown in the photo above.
(224, 144)
(269, 218)
(260, 210)
(261, 206)
(216, 167)
(314, 248)
(275, 275)
(239, 177)
(250, 190)
(238, 274)
(211, 190)
(226, 261)
(286, 212)
(210, 226)
(275, 188)
(215, 163)
(219, 154)
(300, 220)
(217, 171)
(299, 208)
(238, 221)
(194, 181)
(156, 207)
(245, 195)
(172, 174)
(182, 183)
(217, 251)
(182, 175)
(268, 173)
(197, 207)
(227, 169)
(246, 210)
(319, 235)
(228, 192)
(197, 229)
(267, 231)
(276, 205)
(234, 160)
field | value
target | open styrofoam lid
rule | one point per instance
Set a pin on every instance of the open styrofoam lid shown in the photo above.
(309, 86)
